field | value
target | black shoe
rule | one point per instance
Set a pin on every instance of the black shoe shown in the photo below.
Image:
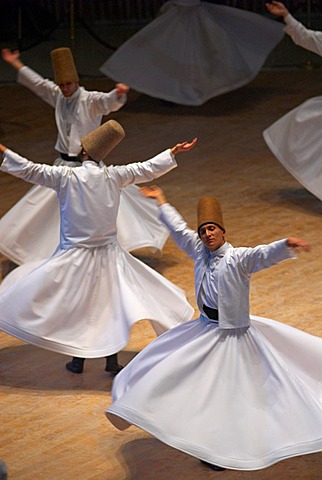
(212, 466)
(112, 366)
(76, 365)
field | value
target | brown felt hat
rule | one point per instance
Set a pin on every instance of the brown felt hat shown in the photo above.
(64, 66)
(209, 211)
(101, 141)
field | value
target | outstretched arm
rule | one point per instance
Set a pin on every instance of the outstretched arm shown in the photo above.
(183, 147)
(149, 170)
(277, 8)
(154, 192)
(302, 36)
(298, 245)
(12, 57)
(37, 173)
(186, 238)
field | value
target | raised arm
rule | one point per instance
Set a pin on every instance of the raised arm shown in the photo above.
(39, 174)
(186, 238)
(12, 57)
(302, 36)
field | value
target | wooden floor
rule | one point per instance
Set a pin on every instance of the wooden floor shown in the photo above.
(52, 422)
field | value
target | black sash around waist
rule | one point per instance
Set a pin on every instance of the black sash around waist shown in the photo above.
(210, 312)
(66, 157)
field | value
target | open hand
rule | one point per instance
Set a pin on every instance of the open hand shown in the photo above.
(277, 8)
(154, 192)
(298, 244)
(10, 56)
(121, 89)
(183, 147)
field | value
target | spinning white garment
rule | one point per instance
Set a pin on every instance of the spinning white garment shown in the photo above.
(30, 229)
(194, 51)
(83, 300)
(295, 140)
(240, 398)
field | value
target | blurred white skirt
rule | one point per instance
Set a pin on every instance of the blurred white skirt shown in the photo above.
(84, 301)
(193, 51)
(296, 141)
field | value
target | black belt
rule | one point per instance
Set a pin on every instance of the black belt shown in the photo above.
(66, 157)
(210, 312)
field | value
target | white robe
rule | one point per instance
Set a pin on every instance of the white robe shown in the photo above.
(83, 300)
(295, 138)
(193, 51)
(29, 231)
(243, 398)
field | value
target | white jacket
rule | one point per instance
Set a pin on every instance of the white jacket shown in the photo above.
(234, 270)
(84, 109)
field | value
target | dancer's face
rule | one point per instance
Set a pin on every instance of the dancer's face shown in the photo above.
(212, 236)
(68, 88)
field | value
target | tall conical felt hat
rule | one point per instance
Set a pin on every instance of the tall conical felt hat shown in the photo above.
(64, 66)
(209, 211)
(101, 141)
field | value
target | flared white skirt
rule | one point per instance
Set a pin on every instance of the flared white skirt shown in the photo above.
(83, 302)
(29, 231)
(295, 140)
(189, 54)
(243, 399)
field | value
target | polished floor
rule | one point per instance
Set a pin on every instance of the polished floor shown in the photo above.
(52, 422)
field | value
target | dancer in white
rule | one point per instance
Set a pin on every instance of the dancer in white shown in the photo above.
(295, 139)
(30, 230)
(234, 390)
(84, 299)
(193, 51)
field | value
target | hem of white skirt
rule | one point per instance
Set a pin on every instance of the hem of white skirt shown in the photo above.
(58, 347)
(134, 418)
(84, 353)
(315, 191)
(182, 101)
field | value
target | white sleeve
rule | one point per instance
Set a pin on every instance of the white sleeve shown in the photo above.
(42, 87)
(263, 256)
(309, 39)
(102, 103)
(142, 172)
(186, 238)
(37, 173)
